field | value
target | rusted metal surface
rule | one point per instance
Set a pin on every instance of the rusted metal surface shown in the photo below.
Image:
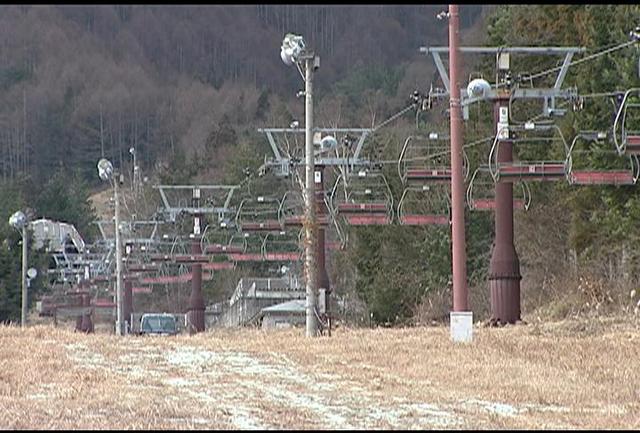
(504, 268)
(195, 314)
(322, 276)
(87, 323)
(79, 318)
(460, 290)
(423, 219)
(368, 219)
(127, 305)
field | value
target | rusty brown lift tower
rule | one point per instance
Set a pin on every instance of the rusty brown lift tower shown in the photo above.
(504, 270)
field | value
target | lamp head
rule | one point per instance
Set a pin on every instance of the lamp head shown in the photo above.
(292, 47)
(18, 220)
(478, 88)
(105, 169)
(328, 142)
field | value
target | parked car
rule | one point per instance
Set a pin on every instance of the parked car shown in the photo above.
(158, 324)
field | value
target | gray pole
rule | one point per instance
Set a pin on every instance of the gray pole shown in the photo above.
(118, 262)
(309, 198)
(23, 319)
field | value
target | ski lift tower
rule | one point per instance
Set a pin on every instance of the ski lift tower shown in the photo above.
(346, 157)
(216, 202)
(504, 271)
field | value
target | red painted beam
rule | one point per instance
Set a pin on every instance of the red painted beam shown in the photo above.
(217, 266)
(103, 303)
(421, 220)
(296, 220)
(172, 279)
(602, 178)
(346, 208)
(223, 249)
(633, 140)
(269, 225)
(142, 268)
(366, 220)
(193, 258)
(287, 257)
(550, 171)
(141, 289)
(437, 175)
(246, 257)
(490, 204)
(160, 257)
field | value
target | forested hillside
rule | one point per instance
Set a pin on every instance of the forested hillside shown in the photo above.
(187, 87)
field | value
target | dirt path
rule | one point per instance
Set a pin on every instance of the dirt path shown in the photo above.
(252, 393)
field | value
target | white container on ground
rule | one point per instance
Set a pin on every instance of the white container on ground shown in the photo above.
(461, 326)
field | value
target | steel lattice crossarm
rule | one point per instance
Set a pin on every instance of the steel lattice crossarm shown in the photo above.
(216, 198)
(347, 151)
(504, 90)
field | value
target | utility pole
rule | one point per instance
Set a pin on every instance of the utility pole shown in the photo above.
(309, 198)
(119, 321)
(23, 316)
(461, 320)
(460, 292)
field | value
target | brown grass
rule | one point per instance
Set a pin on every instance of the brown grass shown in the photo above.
(569, 374)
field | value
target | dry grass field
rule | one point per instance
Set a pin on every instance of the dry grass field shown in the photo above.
(566, 375)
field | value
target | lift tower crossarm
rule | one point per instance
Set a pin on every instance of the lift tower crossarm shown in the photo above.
(551, 93)
(279, 160)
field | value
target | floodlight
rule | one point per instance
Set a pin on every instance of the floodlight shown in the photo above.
(285, 58)
(328, 142)
(18, 220)
(132, 150)
(105, 169)
(292, 46)
(32, 273)
(478, 88)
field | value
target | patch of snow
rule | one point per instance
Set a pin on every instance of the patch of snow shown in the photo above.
(178, 381)
(501, 409)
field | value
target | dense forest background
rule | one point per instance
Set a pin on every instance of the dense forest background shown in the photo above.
(189, 86)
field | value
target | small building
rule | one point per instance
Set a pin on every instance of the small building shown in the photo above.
(244, 308)
(283, 315)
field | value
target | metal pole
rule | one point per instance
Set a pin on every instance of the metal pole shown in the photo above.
(87, 323)
(460, 291)
(322, 275)
(118, 262)
(504, 268)
(127, 308)
(23, 318)
(310, 223)
(195, 314)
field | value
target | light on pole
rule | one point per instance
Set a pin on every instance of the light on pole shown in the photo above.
(461, 318)
(136, 171)
(106, 173)
(19, 221)
(293, 52)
